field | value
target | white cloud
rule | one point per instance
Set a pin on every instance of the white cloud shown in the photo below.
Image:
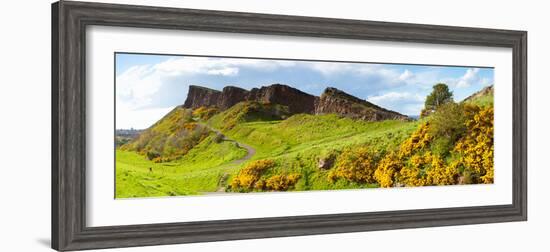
(127, 118)
(468, 78)
(396, 96)
(138, 84)
(406, 75)
(328, 68)
(379, 73)
(402, 102)
(485, 81)
(228, 71)
(216, 66)
(331, 68)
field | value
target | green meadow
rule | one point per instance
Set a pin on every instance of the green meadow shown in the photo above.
(294, 144)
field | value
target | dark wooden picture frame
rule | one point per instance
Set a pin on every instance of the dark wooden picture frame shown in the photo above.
(69, 21)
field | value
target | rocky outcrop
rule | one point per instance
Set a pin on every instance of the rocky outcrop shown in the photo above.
(338, 102)
(230, 96)
(331, 101)
(296, 100)
(325, 163)
(198, 96)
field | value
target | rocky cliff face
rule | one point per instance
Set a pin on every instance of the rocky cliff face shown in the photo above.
(331, 101)
(338, 102)
(296, 100)
(198, 96)
(230, 96)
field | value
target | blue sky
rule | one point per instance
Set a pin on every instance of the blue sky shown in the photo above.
(148, 86)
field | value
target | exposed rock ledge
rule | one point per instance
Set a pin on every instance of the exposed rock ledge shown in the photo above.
(331, 101)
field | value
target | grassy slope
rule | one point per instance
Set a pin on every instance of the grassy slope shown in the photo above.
(295, 144)
(249, 112)
(199, 170)
(482, 101)
(171, 137)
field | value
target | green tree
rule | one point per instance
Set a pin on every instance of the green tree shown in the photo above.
(447, 125)
(440, 95)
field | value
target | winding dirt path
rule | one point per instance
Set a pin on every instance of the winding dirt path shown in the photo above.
(249, 149)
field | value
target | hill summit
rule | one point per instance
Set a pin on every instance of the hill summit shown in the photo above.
(486, 91)
(331, 101)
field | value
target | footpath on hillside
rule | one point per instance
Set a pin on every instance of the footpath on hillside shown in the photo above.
(249, 149)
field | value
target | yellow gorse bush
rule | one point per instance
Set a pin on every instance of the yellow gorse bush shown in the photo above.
(411, 174)
(415, 165)
(438, 173)
(205, 113)
(250, 178)
(419, 139)
(281, 182)
(250, 174)
(476, 148)
(390, 169)
(356, 165)
(387, 169)
(415, 162)
(170, 138)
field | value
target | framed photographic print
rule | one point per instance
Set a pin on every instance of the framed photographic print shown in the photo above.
(178, 125)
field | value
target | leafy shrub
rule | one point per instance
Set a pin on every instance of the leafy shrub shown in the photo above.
(218, 138)
(412, 174)
(171, 137)
(252, 111)
(442, 146)
(205, 113)
(448, 121)
(326, 159)
(120, 141)
(419, 140)
(425, 112)
(356, 165)
(151, 155)
(437, 173)
(476, 148)
(281, 182)
(250, 174)
(260, 185)
(388, 170)
(469, 146)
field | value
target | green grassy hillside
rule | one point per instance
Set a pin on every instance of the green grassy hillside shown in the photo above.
(301, 132)
(295, 144)
(482, 101)
(170, 138)
(482, 98)
(198, 171)
(249, 111)
(261, 147)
